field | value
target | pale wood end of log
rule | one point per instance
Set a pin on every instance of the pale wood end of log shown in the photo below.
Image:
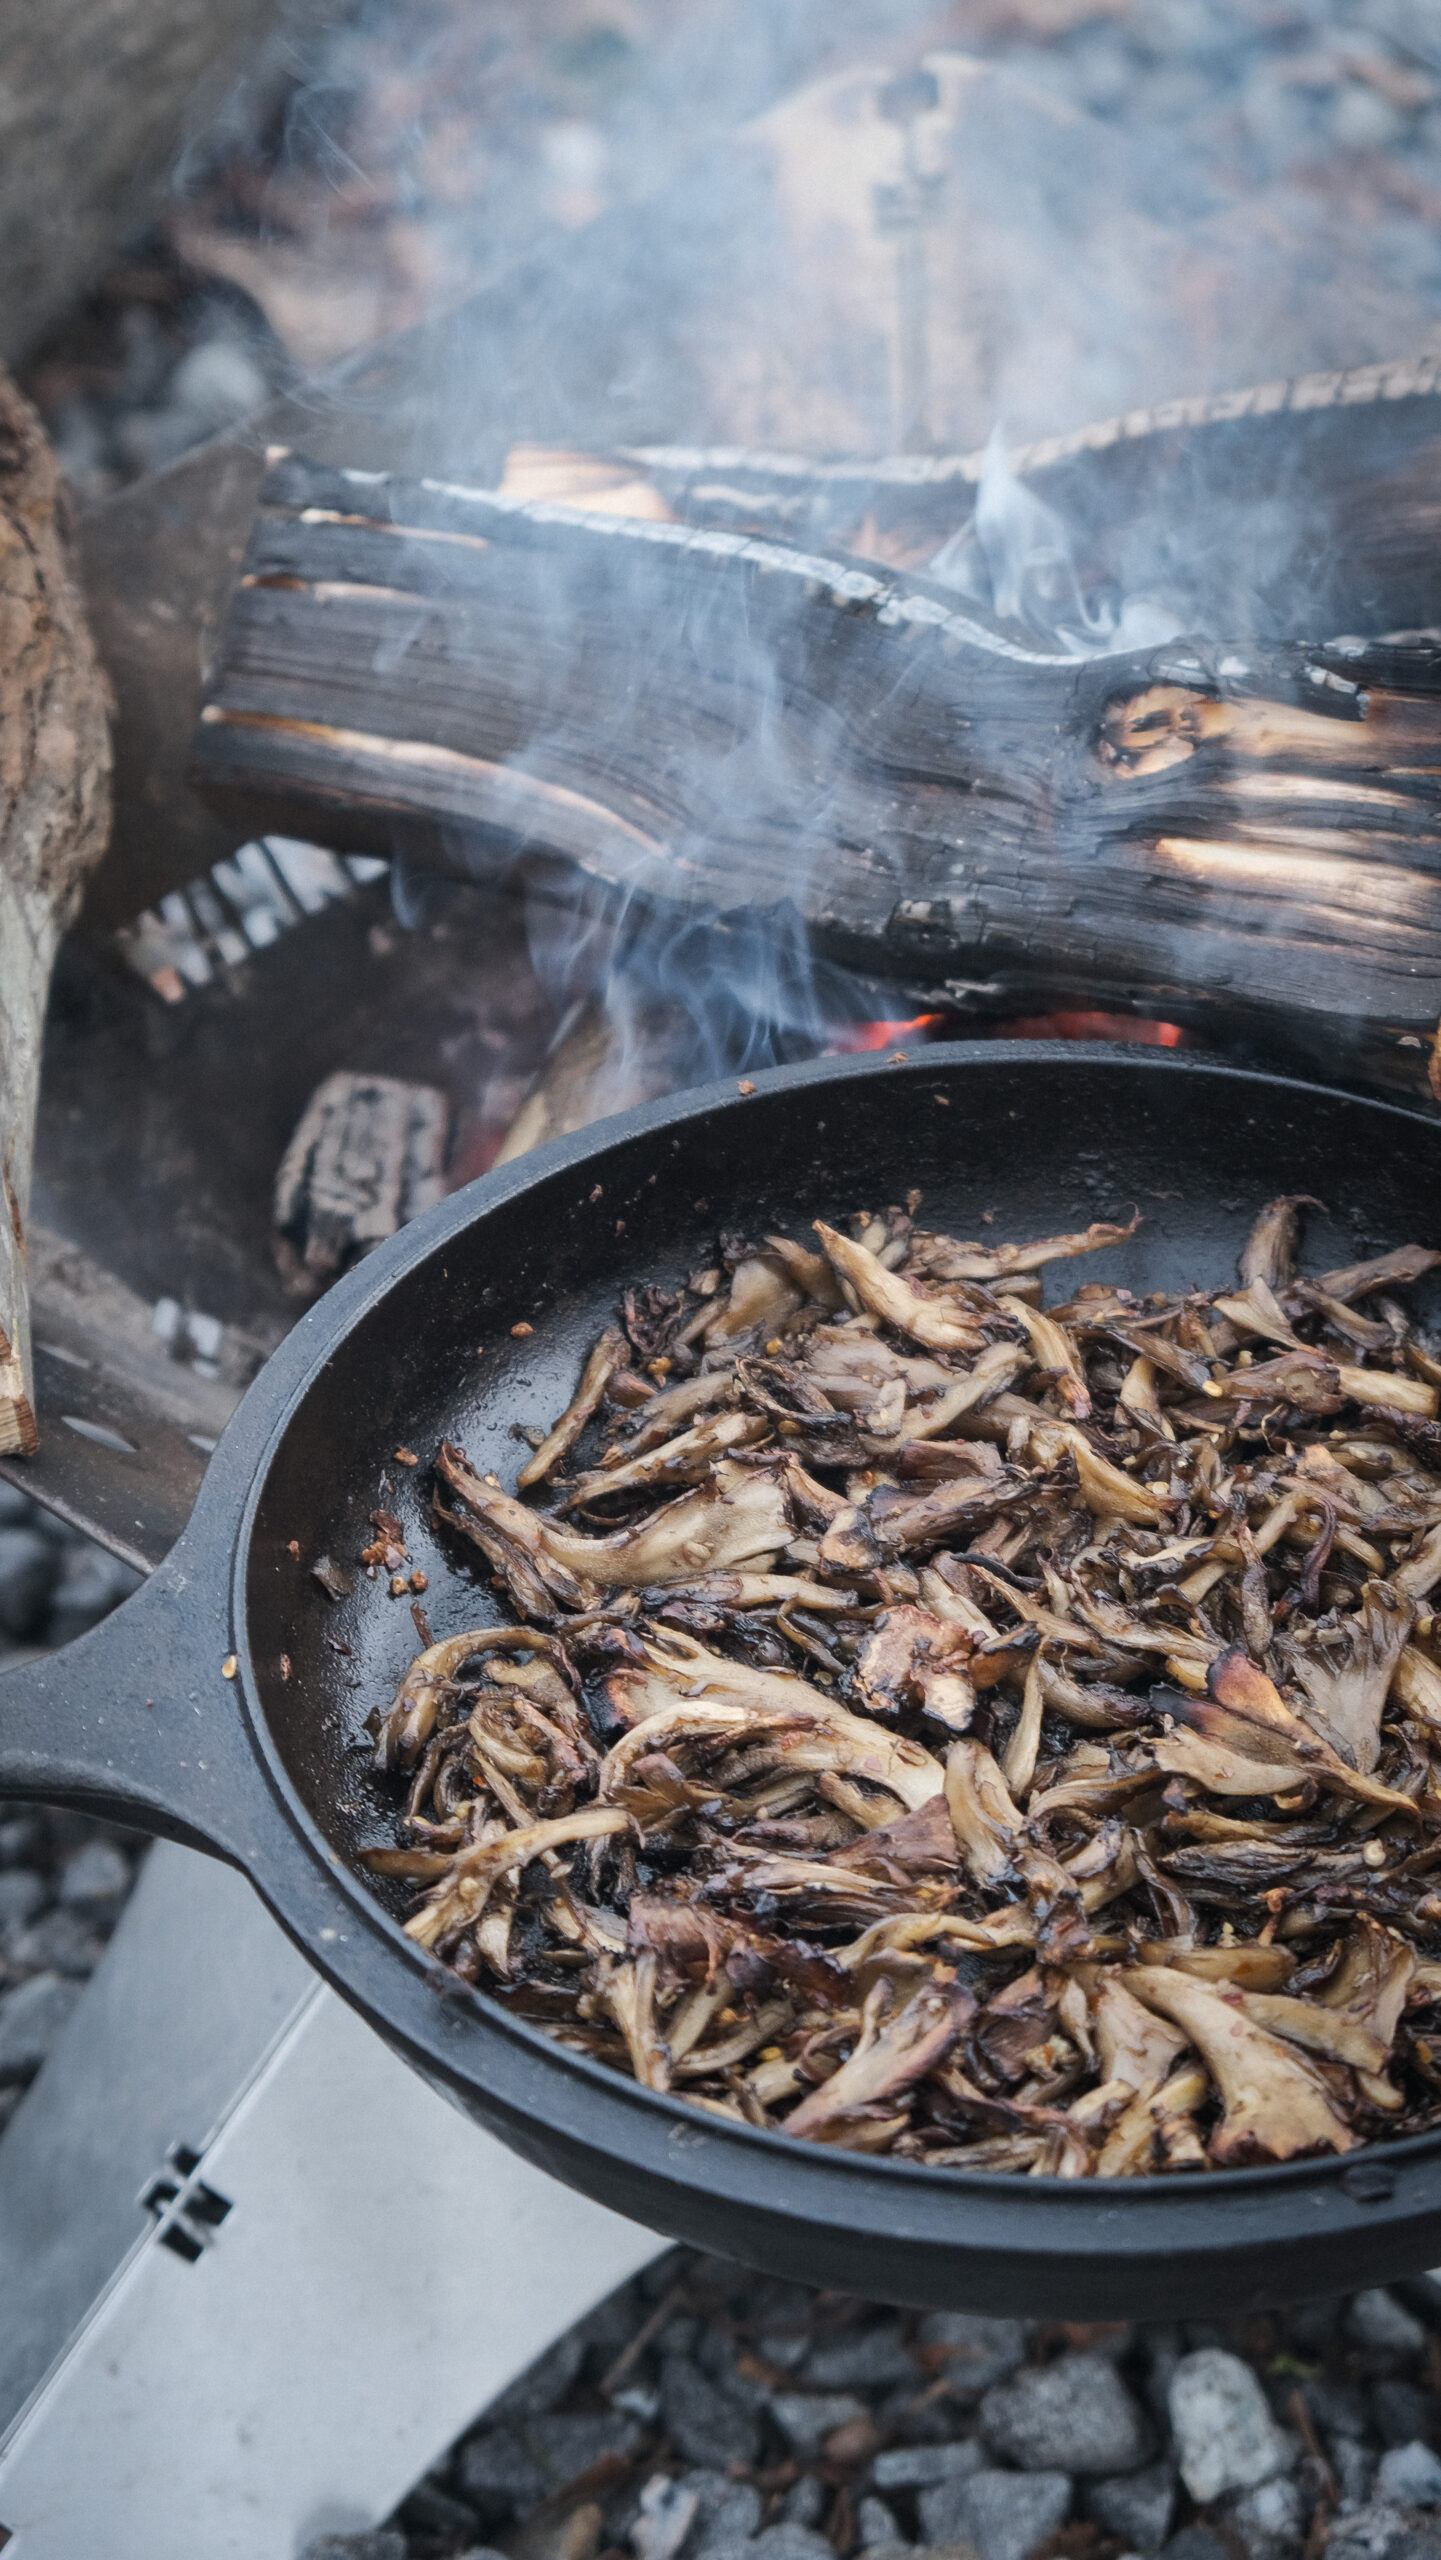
(54, 820)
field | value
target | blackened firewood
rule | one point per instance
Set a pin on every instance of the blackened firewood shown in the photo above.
(1239, 835)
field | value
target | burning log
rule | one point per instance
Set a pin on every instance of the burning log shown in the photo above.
(1242, 836)
(54, 817)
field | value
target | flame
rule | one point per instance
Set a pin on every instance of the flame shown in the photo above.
(860, 1037)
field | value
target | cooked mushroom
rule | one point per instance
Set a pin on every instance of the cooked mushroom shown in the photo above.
(932, 1722)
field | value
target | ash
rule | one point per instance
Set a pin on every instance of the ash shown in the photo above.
(703, 2413)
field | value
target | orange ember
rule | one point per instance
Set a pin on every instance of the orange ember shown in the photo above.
(1094, 1026)
(858, 1037)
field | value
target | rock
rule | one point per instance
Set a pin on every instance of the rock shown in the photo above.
(536, 2391)
(1375, 2319)
(55, 1942)
(727, 2512)
(1137, 2507)
(704, 2423)
(804, 2503)
(21, 1894)
(31, 2017)
(1401, 2411)
(920, 2466)
(1362, 120)
(1410, 2475)
(386, 2544)
(667, 2512)
(21, 1839)
(1374, 2532)
(29, 1568)
(1268, 2521)
(910, 2415)
(518, 2465)
(1195, 2542)
(1003, 2514)
(1075, 2415)
(1225, 2436)
(806, 2418)
(869, 2361)
(876, 2526)
(96, 1878)
(639, 2402)
(1336, 2407)
(789, 2542)
(978, 2352)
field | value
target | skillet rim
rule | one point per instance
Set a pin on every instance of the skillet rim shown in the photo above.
(277, 1399)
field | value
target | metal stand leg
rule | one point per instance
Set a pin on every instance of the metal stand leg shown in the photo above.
(334, 2275)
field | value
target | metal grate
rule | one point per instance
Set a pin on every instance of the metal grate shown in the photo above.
(236, 909)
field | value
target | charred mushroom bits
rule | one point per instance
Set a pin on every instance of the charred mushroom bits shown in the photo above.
(934, 1724)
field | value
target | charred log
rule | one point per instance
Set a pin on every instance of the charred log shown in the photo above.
(1237, 834)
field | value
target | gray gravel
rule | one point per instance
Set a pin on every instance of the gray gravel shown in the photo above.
(704, 2424)
(1225, 2435)
(1137, 2508)
(1003, 2514)
(726, 2440)
(1075, 2415)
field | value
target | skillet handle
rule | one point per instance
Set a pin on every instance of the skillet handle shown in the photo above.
(136, 1721)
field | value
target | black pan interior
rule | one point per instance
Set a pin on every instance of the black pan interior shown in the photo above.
(1000, 1141)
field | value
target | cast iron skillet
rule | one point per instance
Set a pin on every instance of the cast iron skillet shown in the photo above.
(140, 1721)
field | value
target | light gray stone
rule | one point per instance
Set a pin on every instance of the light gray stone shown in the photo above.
(667, 2512)
(31, 2017)
(978, 2351)
(1137, 2507)
(1373, 2532)
(876, 2526)
(803, 2504)
(1410, 2476)
(1376, 2319)
(789, 2542)
(920, 2466)
(1075, 2415)
(1267, 2521)
(1003, 2514)
(870, 2360)
(703, 2422)
(21, 1894)
(1225, 2436)
(727, 2512)
(806, 2418)
(96, 1878)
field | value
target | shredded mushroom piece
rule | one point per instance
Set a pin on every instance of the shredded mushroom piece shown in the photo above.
(933, 1723)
